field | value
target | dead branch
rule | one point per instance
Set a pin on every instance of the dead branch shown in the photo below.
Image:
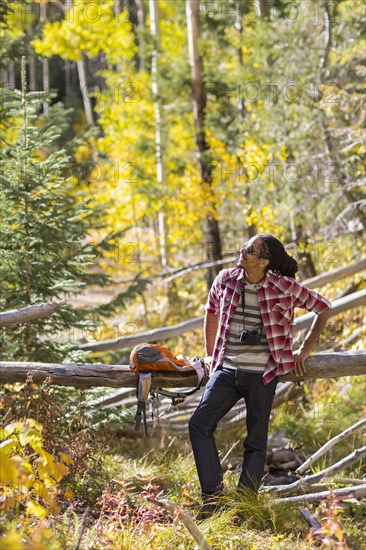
(312, 521)
(12, 318)
(186, 519)
(330, 444)
(304, 483)
(358, 491)
(348, 480)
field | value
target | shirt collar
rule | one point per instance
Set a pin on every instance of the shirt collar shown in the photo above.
(264, 282)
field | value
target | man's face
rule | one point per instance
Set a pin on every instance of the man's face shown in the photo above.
(250, 253)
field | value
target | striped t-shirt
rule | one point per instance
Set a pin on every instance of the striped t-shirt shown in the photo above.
(241, 356)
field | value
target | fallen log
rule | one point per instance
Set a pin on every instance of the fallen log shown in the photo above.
(348, 480)
(358, 491)
(14, 317)
(335, 274)
(153, 335)
(320, 365)
(360, 424)
(156, 335)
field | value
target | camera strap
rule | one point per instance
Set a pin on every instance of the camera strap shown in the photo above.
(243, 308)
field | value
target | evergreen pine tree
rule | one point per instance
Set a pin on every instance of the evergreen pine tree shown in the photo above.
(45, 226)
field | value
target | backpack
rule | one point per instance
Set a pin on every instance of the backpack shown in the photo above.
(145, 359)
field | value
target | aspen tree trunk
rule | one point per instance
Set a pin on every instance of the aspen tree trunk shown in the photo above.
(84, 90)
(31, 59)
(160, 175)
(264, 6)
(141, 25)
(328, 138)
(117, 8)
(212, 239)
(82, 79)
(251, 229)
(32, 73)
(11, 76)
(4, 78)
(45, 67)
(46, 81)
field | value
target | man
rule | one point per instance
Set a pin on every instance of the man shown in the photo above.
(248, 332)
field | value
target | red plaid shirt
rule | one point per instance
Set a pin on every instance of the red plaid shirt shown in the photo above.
(277, 296)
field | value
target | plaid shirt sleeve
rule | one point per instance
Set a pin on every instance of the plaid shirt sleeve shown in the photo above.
(309, 299)
(213, 300)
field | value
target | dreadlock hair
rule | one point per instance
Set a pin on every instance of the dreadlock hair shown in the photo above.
(279, 261)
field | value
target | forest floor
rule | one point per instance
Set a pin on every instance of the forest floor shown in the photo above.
(103, 502)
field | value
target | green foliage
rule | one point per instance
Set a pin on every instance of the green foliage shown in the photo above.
(60, 232)
(46, 225)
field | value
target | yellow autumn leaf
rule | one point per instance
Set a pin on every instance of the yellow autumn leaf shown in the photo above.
(35, 509)
(11, 428)
(69, 493)
(8, 470)
(12, 541)
(32, 437)
(6, 445)
(59, 470)
(65, 458)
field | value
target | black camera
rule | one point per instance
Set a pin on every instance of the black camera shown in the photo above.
(250, 337)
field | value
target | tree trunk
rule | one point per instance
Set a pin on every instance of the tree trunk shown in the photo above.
(264, 6)
(46, 81)
(306, 266)
(212, 238)
(84, 90)
(160, 171)
(332, 151)
(141, 26)
(32, 73)
(11, 76)
(82, 79)
(68, 83)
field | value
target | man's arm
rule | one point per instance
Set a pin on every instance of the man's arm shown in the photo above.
(312, 336)
(210, 326)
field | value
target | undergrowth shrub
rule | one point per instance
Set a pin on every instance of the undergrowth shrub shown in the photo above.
(30, 479)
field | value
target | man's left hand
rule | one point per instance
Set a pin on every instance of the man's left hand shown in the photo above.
(300, 356)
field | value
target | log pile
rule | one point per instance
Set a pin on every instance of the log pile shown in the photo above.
(309, 487)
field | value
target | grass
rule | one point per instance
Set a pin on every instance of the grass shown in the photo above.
(117, 477)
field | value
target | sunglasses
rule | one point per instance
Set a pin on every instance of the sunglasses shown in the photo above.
(251, 250)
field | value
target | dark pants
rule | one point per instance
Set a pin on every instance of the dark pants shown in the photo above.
(224, 388)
